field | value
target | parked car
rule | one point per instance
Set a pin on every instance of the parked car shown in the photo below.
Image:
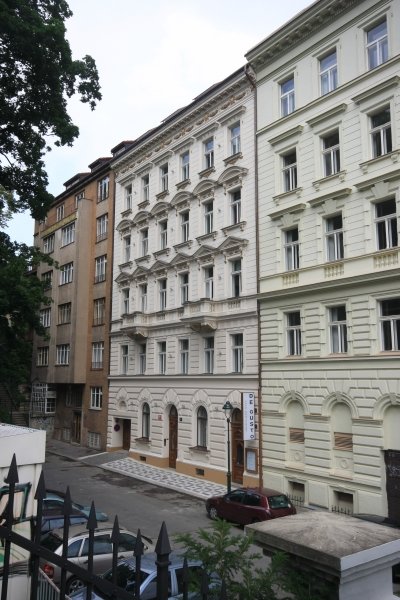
(78, 544)
(53, 518)
(54, 499)
(250, 505)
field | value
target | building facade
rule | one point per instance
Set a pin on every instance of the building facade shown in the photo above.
(328, 132)
(184, 330)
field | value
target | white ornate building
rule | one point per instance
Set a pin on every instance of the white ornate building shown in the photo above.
(184, 336)
(328, 131)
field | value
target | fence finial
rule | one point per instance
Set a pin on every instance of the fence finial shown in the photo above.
(12, 477)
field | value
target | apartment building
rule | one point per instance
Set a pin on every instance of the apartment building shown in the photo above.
(184, 308)
(70, 365)
(328, 136)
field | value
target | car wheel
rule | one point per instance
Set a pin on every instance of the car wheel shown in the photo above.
(213, 513)
(73, 585)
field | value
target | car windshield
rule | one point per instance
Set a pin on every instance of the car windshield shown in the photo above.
(280, 501)
(126, 576)
(51, 541)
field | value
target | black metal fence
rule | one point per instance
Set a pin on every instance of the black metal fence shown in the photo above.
(34, 552)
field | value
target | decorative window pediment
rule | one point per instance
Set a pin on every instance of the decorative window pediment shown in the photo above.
(182, 198)
(123, 278)
(142, 215)
(205, 189)
(232, 244)
(159, 265)
(124, 225)
(204, 252)
(161, 208)
(232, 176)
(296, 208)
(179, 259)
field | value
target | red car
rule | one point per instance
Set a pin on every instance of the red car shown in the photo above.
(250, 505)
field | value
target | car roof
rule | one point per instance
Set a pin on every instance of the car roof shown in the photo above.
(78, 530)
(148, 561)
(262, 490)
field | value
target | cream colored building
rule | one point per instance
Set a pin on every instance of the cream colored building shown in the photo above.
(328, 133)
(184, 309)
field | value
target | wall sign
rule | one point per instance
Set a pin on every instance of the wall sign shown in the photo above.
(249, 416)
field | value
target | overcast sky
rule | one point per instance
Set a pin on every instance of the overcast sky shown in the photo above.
(153, 57)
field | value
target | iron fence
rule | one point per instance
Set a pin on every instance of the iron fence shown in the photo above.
(342, 510)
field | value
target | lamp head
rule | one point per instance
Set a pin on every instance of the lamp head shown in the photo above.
(227, 408)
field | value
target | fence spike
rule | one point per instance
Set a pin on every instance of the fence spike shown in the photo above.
(12, 477)
(41, 489)
(92, 521)
(115, 532)
(67, 506)
(139, 546)
(163, 546)
(223, 595)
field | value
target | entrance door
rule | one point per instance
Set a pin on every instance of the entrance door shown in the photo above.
(237, 446)
(76, 427)
(126, 434)
(392, 462)
(173, 437)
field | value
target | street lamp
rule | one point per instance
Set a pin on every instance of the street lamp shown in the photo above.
(228, 408)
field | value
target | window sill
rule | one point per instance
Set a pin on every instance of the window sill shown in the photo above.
(143, 440)
(200, 449)
(187, 244)
(126, 212)
(390, 156)
(207, 236)
(206, 172)
(230, 160)
(182, 184)
(142, 205)
(295, 192)
(340, 175)
(162, 194)
(241, 225)
(158, 253)
(142, 259)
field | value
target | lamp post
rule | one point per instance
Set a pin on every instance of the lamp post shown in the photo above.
(228, 408)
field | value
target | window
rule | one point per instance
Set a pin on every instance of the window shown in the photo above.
(99, 311)
(236, 277)
(66, 273)
(209, 282)
(146, 421)
(163, 225)
(142, 358)
(334, 238)
(164, 177)
(289, 171)
(96, 397)
(386, 224)
(146, 188)
(62, 354)
(184, 279)
(236, 207)
(162, 288)
(128, 197)
(235, 138)
(100, 268)
(143, 296)
(381, 133)
(338, 329)
(42, 356)
(328, 72)
(292, 249)
(97, 355)
(144, 242)
(45, 317)
(47, 279)
(93, 441)
(185, 226)
(64, 313)
(60, 212)
(124, 359)
(101, 227)
(125, 301)
(390, 324)
(103, 188)
(209, 153)
(184, 355)
(202, 427)
(79, 197)
(331, 153)
(209, 354)
(185, 163)
(208, 217)
(127, 248)
(68, 234)
(293, 325)
(237, 352)
(377, 44)
(162, 357)
(287, 97)
(48, 244)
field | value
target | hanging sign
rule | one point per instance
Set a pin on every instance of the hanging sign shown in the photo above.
(249, 416)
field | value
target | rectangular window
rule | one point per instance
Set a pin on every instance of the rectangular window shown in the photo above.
(185, 226)
(47, 279)
(100, 268)
(125, 301)
(236, 278)
(338, 329)
(94, 440)
(236, 207)
(331, 153)
(66, 273)
(164, 177)
(386, 224)
(163, 228)
(377, 44)
(209, 354)
(126, 256)
(144, 242)
(162, 287)
(184, 280)
(293, 328)
(334, 238)
(97, 355)
(143, 297)
(289, 171)
(62, 354)
(99, 311)
(64, 313)
(209, 153)
(60, 210)
(68, 234)
(42, 356)
(145, 188)
(328, 72)
(162, 357)
(124, 359)
(208, 217)
(184, 353)
(292, 249)
(287, 97)
(381, 133)
(209, 282)
(185, 162)
(237, 353)
(103, 188)
(45, 317)
(48, 244)
(101, 227)
(96, 397)
(128, 197)
(142, 358)
(390, 324)
(235, 138)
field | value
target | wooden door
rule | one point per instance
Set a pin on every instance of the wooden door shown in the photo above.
(76, 427)
(126, 434)
(392, 462)
(173, 437)
(237, 447)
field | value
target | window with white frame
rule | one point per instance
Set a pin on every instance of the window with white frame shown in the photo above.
(338, 329)
(60, 211)
(390, 324)
(381, 132)
(101, 227)
(209, 354)
(146, 188)
(66, 273)
(146, 421)
(62, 354)
(377, 44)
(96, 397)
(184, 281)
(236, 206)
(209, 153)
(124, 359)
(42, 356)
(125, 300)
(331, 153)
(128, 197)
(47, 279)
(236, 274)
(94, 440)
(97, 355)
(237, 352)
(164, 177)
(208, 217)
(287, 96)
(144, 241)
(163, 230)
(162, 357)
(143, 297)
(386, 224)
(292, 249)
(68, 234)
(126, 255)
(45, 317)
(184, 356)
(64, 313)
(209, 282)
(79, 197)
(162, 290)
(48, 244)
(185, 163)
(328, 72)
(100, 266)
(234, 131)
(142, 358)
(50, 406)
(289, 171)
(185, 226)
(99, 311)
(202, 422)
(103, 188)
(293, 333)
(334, 237)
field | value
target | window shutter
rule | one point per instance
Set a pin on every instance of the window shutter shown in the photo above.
(343, 441)
(296, 435)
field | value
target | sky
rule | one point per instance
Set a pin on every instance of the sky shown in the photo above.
(153, 57)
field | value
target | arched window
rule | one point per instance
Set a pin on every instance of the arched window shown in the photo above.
(146, 421)
(202, 419)
(342, 427)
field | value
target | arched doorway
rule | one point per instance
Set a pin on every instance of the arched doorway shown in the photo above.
(173, 437)
(237, 446)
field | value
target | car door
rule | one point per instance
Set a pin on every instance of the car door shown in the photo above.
(232, 505)
(148, 589)
(102, 553)
(253, 511)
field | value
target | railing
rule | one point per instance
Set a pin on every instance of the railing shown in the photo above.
(47, 590)
(296, 500)
(342, 510)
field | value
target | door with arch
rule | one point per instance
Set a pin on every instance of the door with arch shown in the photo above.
(173, 437)
(237, 446)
